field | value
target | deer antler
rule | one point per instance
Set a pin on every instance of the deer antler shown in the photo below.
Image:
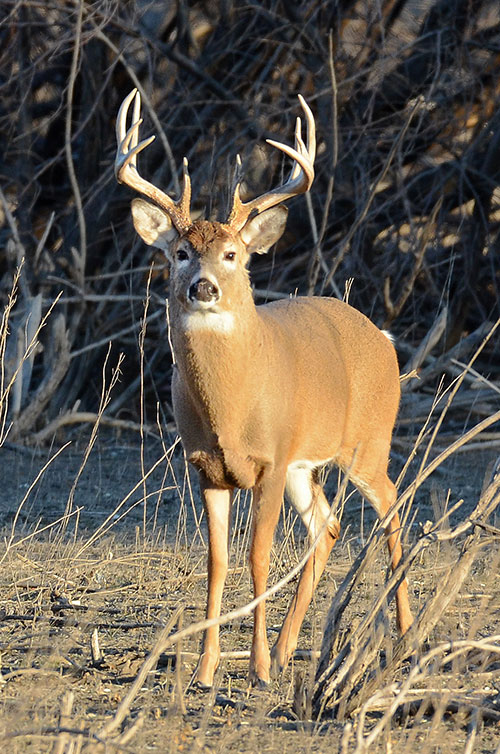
(299, 182)
(126, 165)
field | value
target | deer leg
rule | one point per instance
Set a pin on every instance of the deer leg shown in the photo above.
(307, 497)
(382, 494)
(393, 530)
(267, 497)
(217, 504)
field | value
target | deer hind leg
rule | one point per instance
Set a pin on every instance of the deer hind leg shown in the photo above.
(307, 497)
(267, 498)
(217, 504)
(381, 493)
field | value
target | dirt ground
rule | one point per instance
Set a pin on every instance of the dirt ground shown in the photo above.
(122, 568)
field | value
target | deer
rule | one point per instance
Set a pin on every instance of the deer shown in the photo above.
(265, 396)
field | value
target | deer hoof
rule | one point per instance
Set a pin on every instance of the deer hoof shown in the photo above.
(199, 686)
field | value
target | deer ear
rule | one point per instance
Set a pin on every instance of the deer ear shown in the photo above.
(153, 225)
(262, 231)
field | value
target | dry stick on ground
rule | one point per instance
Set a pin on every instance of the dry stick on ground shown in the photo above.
(178, 676)
(95, 649)
(63, 738)
(474, 725)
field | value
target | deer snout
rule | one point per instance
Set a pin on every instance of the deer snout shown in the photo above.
(204, 291)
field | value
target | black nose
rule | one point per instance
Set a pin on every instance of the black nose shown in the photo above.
(203, 290)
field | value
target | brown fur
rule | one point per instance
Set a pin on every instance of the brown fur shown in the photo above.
(203, 233)
(224, 469)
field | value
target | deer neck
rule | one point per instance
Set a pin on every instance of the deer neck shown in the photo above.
(217, 358)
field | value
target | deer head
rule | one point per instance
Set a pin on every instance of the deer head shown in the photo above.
(209, 259)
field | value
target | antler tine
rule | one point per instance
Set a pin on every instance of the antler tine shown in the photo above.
(126, 171)
(185, 200)
(238, 173)
(300, 180)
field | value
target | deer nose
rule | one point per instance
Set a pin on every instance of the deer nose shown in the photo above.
(203, 290)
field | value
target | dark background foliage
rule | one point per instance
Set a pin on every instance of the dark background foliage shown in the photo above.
(406, 96)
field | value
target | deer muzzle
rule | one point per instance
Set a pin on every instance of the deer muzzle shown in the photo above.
(203, 291)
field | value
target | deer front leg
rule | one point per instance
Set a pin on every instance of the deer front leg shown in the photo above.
(217, 504)
(267, 497)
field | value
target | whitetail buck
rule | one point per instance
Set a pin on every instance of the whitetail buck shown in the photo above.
(265, 396)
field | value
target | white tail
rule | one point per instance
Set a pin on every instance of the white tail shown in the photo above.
(265, 396)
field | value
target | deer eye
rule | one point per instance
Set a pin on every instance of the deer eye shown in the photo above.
(182, 255)
(230, 256)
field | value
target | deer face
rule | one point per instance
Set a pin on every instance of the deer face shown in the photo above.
(208, 268)
(209, 259)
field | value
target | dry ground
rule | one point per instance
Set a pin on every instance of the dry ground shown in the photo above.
(61, 583)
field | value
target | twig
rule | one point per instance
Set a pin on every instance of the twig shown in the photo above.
(431, 339)
(475, 723)
(80, 268)
(88, 417)
(178, 677)
(95, 649)
(479, 335)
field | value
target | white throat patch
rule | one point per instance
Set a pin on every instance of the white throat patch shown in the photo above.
(219, 322)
